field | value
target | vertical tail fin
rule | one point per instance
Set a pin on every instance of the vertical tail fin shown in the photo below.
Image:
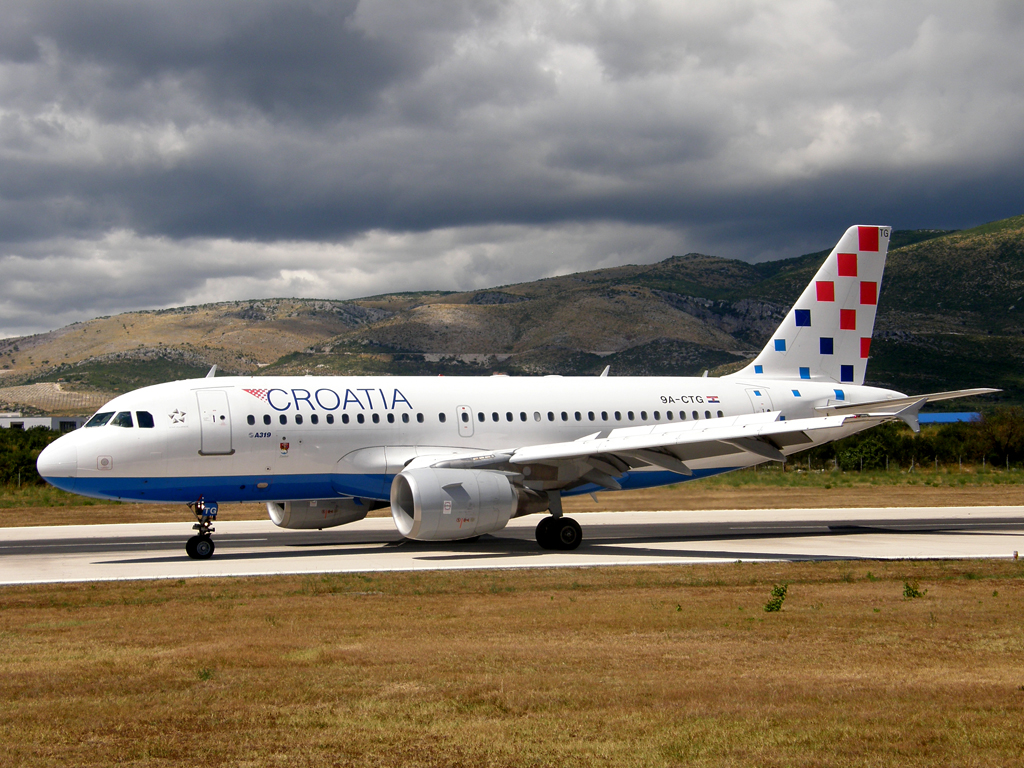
(827, 334)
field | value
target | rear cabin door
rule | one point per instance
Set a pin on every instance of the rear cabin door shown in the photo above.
(759, 400)
(215, 422)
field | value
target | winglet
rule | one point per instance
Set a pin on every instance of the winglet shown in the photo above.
(910, 414)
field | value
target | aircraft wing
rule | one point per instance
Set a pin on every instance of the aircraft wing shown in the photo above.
(602, 456)
(905, 408)
(762, 434)
(897, 403)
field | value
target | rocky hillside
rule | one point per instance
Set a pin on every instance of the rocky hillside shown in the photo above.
(947, 318)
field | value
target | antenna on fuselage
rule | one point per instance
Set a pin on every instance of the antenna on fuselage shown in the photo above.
(213, 372)
(604, 373)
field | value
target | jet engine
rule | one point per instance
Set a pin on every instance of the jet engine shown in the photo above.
(434, 504)
(317, 513)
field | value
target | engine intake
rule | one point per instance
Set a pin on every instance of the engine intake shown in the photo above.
(432, 504)
(317, 513)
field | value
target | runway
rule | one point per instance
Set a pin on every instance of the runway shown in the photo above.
(156, 551)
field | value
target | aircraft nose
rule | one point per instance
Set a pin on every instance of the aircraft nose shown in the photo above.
(58, 463)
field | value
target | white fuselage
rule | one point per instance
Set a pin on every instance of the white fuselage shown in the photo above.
(244, 439)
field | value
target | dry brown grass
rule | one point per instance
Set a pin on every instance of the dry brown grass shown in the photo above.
(699, 496)
(624, 666)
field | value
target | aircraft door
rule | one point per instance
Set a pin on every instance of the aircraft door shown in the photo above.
(215, 422)
(464, 414)
(760, 400)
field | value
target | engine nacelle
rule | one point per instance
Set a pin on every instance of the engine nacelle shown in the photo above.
(444, 504)
(318, 513)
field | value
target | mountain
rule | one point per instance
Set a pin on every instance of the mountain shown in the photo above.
(947, 318)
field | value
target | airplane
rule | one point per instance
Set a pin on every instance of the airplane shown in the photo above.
(457, 457)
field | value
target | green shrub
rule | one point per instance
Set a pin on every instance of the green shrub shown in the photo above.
(778, 596)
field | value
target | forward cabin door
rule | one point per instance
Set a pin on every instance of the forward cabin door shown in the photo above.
(759, 400)
(215, 422)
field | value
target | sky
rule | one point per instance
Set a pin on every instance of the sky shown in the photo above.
(172, 152)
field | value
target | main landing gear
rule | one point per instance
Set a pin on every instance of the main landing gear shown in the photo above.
(559, 533)
(200, 546)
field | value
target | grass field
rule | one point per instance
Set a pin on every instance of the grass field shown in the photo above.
(767, 488)
(654, 666)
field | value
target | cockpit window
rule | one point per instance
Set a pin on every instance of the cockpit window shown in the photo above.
(123, 419)
(99, 419)
(145, 419)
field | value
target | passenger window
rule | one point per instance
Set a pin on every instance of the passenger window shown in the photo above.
(266, 418)
(643, 415)
(146, 419)
(720, 414)
(315, 419)
(604, 415)
(551, 416)
(565, 416)
(657, 415)
(668, 415)
(590, 415)
(480, 416)
(344, 418)
(618, 415)
(579, 416)
(330, 418)
(419, 418)
(682, 415)
(465, 416)
(376, 418)
(707, 414)
(123, 419)
(360, 418)
(391, 418)
(442, 418)
(629, 415)
(696, 415)
(99, 419)
(508, 416)
(250, 419)
(536, 415)
(298, 418)
(405, 418)
(494, 416)
(283, 419)
(522, 415)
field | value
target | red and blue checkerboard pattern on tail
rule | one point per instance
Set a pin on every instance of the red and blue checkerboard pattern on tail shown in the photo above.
(826, 335)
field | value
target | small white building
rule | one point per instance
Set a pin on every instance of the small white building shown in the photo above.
(56, 423)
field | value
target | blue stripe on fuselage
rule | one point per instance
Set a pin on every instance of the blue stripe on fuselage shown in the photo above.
(228, 489)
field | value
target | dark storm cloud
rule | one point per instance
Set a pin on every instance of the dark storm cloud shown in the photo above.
(281, 58)
(344, 148)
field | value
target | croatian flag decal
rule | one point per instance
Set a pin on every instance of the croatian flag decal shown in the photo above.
(712, 398)
(259, 394)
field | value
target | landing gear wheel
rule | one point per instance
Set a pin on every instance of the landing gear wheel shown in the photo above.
(200, 547)
(203, 547)
(562, 533)
(568, 533)
(544, 533)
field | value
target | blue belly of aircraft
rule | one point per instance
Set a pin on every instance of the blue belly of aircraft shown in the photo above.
(247, 488)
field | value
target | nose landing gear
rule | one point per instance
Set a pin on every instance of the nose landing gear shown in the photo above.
(200, 546)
